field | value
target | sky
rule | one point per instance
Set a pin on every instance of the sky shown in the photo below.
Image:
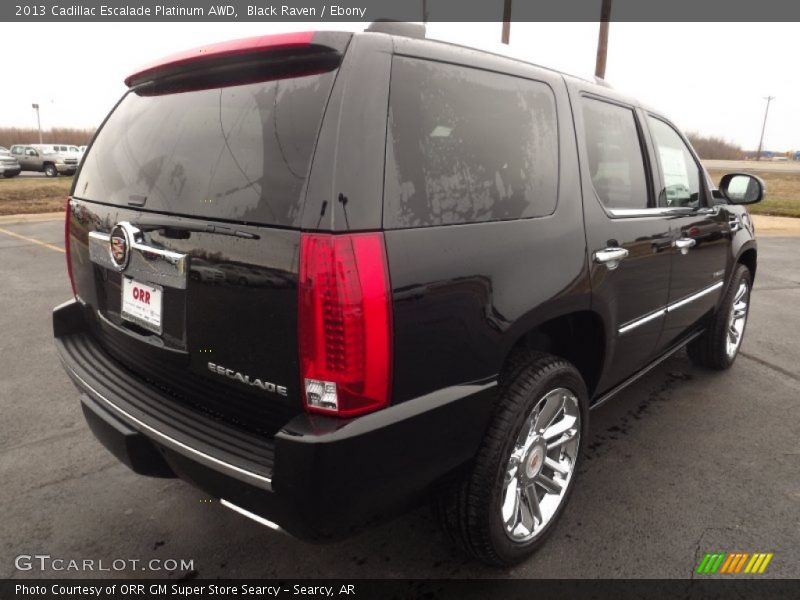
(707, 77)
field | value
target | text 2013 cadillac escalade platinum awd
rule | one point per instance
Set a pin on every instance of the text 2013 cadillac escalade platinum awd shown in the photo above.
(323, 276)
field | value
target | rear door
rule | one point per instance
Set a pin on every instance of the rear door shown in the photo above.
(700, 231)
(628, 239)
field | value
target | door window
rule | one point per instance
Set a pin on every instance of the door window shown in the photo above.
(680, 172)
(614, 150)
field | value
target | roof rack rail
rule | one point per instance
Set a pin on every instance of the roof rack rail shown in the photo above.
(403, 28)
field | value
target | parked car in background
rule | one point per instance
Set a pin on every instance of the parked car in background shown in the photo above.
(9, 166)
(45, 158)
(4, 150)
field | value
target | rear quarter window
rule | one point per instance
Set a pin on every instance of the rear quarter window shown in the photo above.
(466, 145)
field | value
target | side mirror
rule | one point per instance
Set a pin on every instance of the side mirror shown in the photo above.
(743, 188)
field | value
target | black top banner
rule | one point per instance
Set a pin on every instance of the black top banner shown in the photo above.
(321, 11)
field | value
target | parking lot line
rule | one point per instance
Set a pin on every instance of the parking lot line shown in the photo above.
(32, 240)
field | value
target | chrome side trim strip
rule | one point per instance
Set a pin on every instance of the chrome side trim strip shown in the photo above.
(694, 297)
(669, 308)
(258, 519)
(180, 447)
(641, 321)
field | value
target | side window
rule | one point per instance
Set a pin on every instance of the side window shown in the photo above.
(451, 160)
(678, 168)
(30, 152)
(615, 157)
(16, 149)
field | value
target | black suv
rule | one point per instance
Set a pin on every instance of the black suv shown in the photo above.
(449, 257)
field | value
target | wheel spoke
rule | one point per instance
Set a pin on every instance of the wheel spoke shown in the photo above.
(564, 425)
(568, 436)
(551, 406)
(512, 496)
(740, 293)
(533, 503)
(557, 467)
(552, 486)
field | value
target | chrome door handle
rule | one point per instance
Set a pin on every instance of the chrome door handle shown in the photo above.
(610, 257)
(683, 244)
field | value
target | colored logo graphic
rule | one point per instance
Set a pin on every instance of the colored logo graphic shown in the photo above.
(733, 563)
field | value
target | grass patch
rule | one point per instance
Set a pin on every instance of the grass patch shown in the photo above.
(783, 192)
(26, 195)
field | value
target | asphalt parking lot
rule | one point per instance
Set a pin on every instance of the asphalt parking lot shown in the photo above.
(684, 462)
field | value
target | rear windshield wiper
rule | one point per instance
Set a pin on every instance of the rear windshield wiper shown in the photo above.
(183, 231)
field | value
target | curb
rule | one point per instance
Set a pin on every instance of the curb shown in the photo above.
(32, 218)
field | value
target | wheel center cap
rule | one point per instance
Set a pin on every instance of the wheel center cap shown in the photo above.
(534, 461)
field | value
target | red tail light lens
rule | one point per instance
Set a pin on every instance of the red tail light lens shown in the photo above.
(67, 219)
(345, 323)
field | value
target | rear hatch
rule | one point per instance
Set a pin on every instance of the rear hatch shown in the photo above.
(184, 225)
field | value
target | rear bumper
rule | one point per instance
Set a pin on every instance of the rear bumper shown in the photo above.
(318, 478)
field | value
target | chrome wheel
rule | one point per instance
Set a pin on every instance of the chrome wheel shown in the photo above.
(541, 465)
(737, 320)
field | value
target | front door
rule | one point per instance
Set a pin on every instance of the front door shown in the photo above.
(700, 232)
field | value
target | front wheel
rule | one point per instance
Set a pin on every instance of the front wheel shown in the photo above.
(50, 170)
(719, 345)
(504, 507)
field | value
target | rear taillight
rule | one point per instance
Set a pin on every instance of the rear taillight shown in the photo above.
(67, 219)
(345, 323)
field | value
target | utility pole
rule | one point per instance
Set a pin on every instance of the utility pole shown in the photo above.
(506, 21)
(764, 126)
(425, 12)
(602, 40)
(38, 120)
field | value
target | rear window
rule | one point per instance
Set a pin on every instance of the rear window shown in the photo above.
(239, 153)
(468, 145)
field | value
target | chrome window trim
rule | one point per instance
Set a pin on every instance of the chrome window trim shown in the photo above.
(662, 211)
(178, 446)
(669, 308)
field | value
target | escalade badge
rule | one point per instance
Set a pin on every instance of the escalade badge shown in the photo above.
(267, 386)
(120, 246)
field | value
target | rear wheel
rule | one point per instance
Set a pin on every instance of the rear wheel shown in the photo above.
(504, 507)
(10, 175)
(50, 170)
(719, 345)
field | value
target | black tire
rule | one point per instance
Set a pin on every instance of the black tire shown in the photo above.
(710, 349)
(10, 175)
(50, 170)
(469, 509)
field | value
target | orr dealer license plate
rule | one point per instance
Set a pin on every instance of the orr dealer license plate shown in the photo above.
(141, 304)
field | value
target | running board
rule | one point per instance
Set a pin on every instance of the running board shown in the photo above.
(618, 388)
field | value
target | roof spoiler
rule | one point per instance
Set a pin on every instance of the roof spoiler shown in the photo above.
(234, 51)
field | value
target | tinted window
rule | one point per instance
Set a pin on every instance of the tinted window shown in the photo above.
(468, 145)
(239, 152)
(679, 170)
(615, 154)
